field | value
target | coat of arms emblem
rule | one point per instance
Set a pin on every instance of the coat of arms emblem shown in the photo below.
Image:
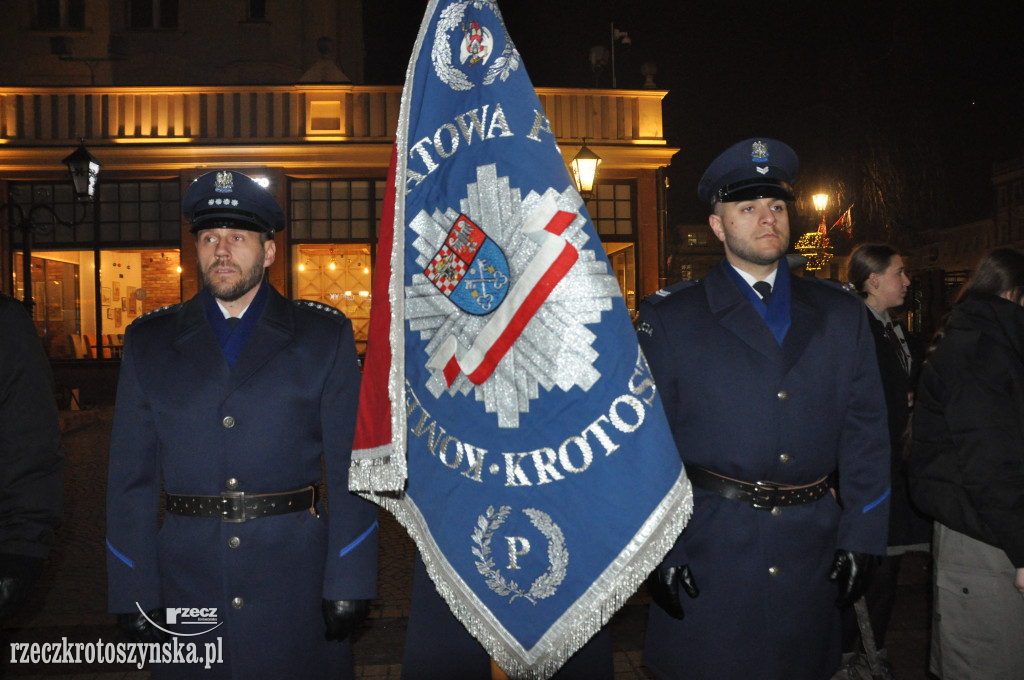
(470, 269)
(477, 44)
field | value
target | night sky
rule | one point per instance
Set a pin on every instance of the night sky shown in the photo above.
(933, 89)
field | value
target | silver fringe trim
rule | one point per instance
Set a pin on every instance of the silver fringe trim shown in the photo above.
(584, 618)
(377, 470)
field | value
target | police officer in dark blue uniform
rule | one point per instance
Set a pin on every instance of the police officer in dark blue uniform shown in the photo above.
(770, 385)
(233, 404)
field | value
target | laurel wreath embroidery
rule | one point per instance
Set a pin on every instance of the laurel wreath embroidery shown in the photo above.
(547, 583)
(440, 52)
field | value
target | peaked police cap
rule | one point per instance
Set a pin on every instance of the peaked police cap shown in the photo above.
(225, 198)
(754, 168)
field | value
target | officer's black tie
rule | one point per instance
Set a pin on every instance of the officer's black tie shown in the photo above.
(232, 321)
(764, 289)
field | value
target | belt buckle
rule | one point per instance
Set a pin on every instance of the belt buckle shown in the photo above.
(764, 495)
(232, 506)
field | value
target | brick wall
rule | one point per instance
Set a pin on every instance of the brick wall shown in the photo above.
(160, 278)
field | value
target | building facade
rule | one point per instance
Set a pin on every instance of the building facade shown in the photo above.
(322, 147)
(945, 258)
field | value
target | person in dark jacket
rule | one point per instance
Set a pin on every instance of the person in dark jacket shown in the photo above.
(236, 403)
(770, 383)
(31, 462)
(876, 273)
(966, 469)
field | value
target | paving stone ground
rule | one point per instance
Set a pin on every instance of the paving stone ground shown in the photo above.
(70, 599)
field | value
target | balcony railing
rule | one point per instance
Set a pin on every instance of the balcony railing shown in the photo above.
(286, 115)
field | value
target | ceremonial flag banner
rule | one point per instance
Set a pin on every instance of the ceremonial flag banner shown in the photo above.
(507, 419)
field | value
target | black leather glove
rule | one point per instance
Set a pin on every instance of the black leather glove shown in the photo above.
(139, 629)
(14, 591)
(852, 571)
(343, 616)
(663, 586)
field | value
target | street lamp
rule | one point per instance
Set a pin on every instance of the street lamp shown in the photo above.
(83, 169)
(584, 170)
(820, 203)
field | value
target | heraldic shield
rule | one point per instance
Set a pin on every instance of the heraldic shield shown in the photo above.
(470, 269)
(507, 417)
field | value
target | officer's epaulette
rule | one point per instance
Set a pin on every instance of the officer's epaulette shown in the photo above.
(667, 291)
(159, 311)
(326, 310)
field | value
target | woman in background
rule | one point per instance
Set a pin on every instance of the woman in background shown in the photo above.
(877, 274)
(966, 468)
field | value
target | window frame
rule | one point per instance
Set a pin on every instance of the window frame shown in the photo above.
(298, 232)
(70, 15)
(597, 202)
(161, 12)
(83, 244)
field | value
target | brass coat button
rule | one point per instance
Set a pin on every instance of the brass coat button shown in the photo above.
(234, 542)
(784, 458)
(232, 484)
(228, 422)
(237, 603)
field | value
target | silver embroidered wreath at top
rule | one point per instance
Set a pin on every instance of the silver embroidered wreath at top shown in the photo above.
(574, 455)
(291, 579)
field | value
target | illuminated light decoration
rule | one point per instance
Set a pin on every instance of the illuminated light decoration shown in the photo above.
(814, 246)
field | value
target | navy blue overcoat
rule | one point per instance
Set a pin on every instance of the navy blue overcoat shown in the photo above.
(279, 420)
(743, 406)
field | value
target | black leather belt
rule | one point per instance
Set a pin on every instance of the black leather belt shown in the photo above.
(238, 506)
(761, 495)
